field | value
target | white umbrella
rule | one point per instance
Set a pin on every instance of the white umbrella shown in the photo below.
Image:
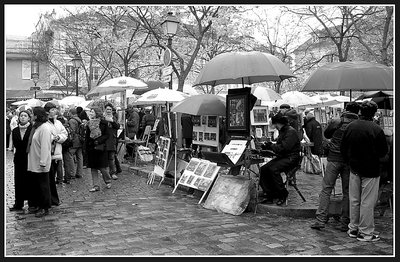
(294, 99)
(160, 96)
(30, 102)
(116, 85)
(265, 93)
(72, 100)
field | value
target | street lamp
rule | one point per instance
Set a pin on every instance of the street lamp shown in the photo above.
(76, 61)
(170, 26)
(35, 79)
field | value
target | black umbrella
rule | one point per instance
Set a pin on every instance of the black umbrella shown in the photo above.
(151, 85)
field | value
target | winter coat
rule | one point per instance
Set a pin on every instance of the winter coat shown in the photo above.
(132, 123)
(57, 129)
(148, 120)
(40, 149)
(334, 131)
(362, 146)
(96, 158)
(111, 143)
(74, 123)
(21, 161)
(288, 143)
(314, 132)
(294, 120)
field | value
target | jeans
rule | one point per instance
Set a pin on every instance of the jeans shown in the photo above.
(333, 169)
(78, 164)
(111, 162)
(68, 165)
(59, 170)
(95, 176)
(363, 196)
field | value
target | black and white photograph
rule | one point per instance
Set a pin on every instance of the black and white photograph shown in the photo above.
(199, 130)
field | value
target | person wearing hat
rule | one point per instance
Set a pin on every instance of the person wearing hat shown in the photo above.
(293, 117)
(287, 150)
(58, 135)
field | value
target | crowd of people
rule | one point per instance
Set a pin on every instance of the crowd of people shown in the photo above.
(356, 147)
(52, 148)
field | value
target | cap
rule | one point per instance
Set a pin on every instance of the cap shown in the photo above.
(48, 106)
(284, 106)
(279, 118)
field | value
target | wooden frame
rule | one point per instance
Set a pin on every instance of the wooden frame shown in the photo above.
(259, 115)
(238, 114)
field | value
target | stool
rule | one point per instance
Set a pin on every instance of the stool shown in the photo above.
(291, 181)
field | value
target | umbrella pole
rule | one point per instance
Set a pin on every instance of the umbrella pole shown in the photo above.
(350, 95)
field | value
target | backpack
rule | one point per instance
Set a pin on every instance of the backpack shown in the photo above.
(70, 138)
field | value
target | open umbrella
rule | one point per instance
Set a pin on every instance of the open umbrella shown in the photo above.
(265, 93)
(242, 68)
(30, 102)
(384, 99)
(115, 85)
(72, 100)
(206, 104)
(160, 96)
(350, 75)
(295, 99)
(151, 85)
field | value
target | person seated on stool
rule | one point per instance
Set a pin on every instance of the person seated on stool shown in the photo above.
(287, 149)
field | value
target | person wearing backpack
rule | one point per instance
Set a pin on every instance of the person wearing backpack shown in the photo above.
(76, 126)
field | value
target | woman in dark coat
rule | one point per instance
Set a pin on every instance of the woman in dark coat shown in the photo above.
(22, 181)
(111, 143)
(97, 133)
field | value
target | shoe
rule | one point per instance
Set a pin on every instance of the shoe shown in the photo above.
(78, 176)
(58, 182)
(317, 225)
(42, 213)
(114, 177)
(108, 185)
(352, 233)
(372, 238)
(55, 203)
(66, 182)
(14, 208)
(267, 201)
(282, 200)
(94, 189)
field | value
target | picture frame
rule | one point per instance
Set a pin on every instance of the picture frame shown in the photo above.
(238, 114)
(259, 115)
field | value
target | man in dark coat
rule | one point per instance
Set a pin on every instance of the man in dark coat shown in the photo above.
(293, 117)
(314, 132)
(363, 144)
(187, 130)
(287, 149)
(335, 166)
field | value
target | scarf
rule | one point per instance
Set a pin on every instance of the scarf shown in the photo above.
(94, 127)
(22, 129)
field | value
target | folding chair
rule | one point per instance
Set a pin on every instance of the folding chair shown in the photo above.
(142, 142)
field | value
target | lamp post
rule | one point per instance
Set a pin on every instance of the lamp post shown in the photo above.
(76, 61)
(170, 26)
(35, 79)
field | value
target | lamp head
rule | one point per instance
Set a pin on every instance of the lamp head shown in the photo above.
(170, 25)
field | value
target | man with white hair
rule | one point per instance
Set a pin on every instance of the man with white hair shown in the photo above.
(313, 131)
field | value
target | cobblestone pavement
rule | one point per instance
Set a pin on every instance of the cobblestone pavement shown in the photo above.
(136, 219)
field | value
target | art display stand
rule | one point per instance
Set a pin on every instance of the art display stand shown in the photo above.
(199, 174)
(161, 160)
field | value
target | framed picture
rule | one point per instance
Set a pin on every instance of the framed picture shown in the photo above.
(196, 121)
(212, 121)
(259, 116)
(238, 114)
(203, 120)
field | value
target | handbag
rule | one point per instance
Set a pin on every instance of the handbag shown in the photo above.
(101, 147)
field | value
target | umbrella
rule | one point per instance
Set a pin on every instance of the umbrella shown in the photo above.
(294, 99)
(351, 75)
(115, 85)
(151, 85)
(372, 94)
(265, 93)
(72, 100)
(160, 96)
(206, 104)
(384, 99)
(242, 67)
(30, 102)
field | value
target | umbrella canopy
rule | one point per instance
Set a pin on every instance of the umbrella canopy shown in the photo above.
(372, 94)
(115, 85)
(265, 93)
(30, 102)
(243, 68)
(351, 75)
(151, 85)
(72, 100)
(206, 104)
(384, 99)
(294, 99)
(160, 96)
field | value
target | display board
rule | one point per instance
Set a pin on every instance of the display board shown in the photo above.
(161, 159)
(198, 174)
(206, 131)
